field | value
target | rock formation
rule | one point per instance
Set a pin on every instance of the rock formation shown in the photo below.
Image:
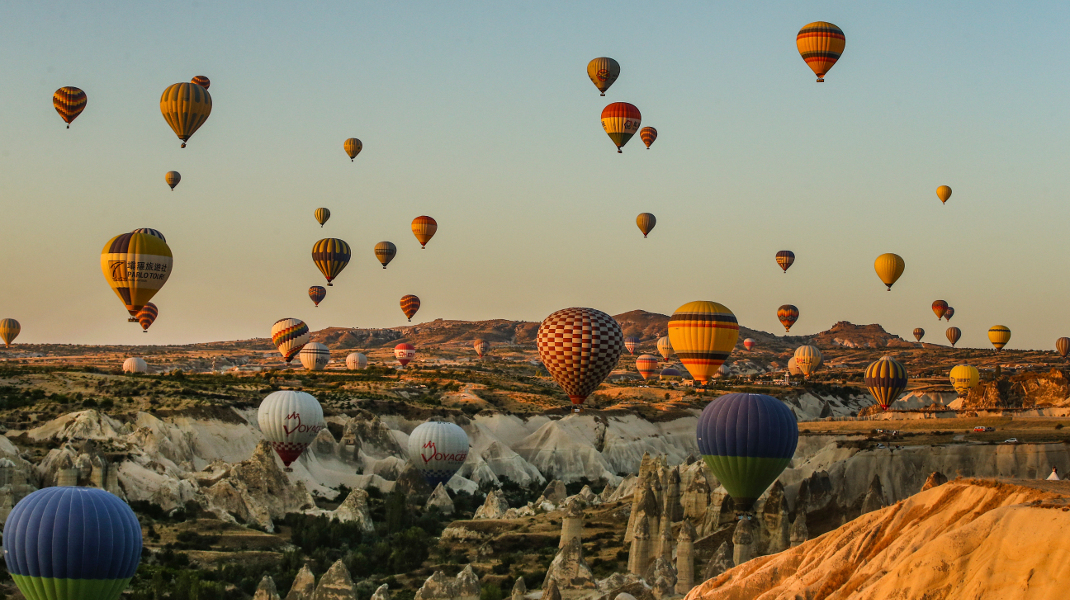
(493, 507)
(663, 576)
(553, 495)
(799, 534)
(569, 569)
(644, 509)
(439, 587)
(671, 496)
(266, 589)
(639, 555)
(441, 500)
(935, 478)
(336, 584)
(520, 589)
(743, 541)
(874, 497)
(354, 509)
(719, 563)
(685, 558)
(382, 593)
(665, 539)
(622, 586)
(550, 591)
(646, 469)
(304, 585)
(696, 496)
(571, 524)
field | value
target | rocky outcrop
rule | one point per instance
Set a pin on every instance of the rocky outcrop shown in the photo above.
(439, 587)
(622, 586)
(799, 534)
(520, 589)
(336, 584)
(441, 500)
(696, 497)
(411, 483)
(266, 589)
(79, 464)
(663, 576)
(304, 586)
(569, 569)
(641, 549)
(719, 563)
(934, 479)
(571, 523)
(874, 497)
(553, 495)
(743, 542)
(493, 507)
(685, 558)
(354, 509)
(1025, 390)
(382, 593)
(551, 591)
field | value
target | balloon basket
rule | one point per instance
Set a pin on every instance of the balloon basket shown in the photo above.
(288, 470)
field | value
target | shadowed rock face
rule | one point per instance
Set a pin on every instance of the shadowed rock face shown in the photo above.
(569, 569)
(441, 500)
(934, 479)
(439, 587)
(382, 593)
(335, 584)
(266, 590)
(304, 585)
(494, 506)
(355, 510)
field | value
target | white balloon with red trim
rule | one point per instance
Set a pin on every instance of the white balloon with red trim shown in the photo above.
(290, 422)
(438, 449)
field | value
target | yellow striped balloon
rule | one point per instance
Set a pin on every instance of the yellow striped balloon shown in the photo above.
(664, 347)
(964, 378)
(322, 214)
(69, 102)
(943, 193)
(648, 135)
(9, 330)
(331, 255)
(953, 334)
(352, 146)
(999, 335)
(889, 268)
(136, 266)
(1063, 346)
(808, 359)
(646, 222)
(424, 229)
(185, 107)
(603, 71)
(886, 380)
(703, 334)
(172, 178)
(385, 252)
(820, 44)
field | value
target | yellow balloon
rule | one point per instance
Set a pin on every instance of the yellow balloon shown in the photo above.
(889, 267)
(185, 107)
(943, 193)
(808, 359)
(964, 377)
(136, 266)
(352, 146)
(9, 330)
(703, 334)
(999, 335)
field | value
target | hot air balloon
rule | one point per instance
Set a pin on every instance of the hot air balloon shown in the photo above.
(290, 422)
(886, 380)
(352, 146)
(703, 334)
(9, 330)
(481, 347)
(787, 314)
(185, 107)
(135, 365)
(820, 45)
(579, 347)
(603, 71)
(152, 232)
(950, 312)
(314, 356)
(808, 359)
(646, 222)
(356, 361)
(746, 441)
(889, 267)
(424, 229)
(964, 378)
(621, 120)
(202, 81)
(630, 343)
(331, 255)
(72, 543)
(999, 335)
(943, 193)
(724, 370)
(69, 102)
(646, 364)
(409, 305)
(1062, 344)
(919, 333)
(670, 374)
(147, 316)
(289, 336)
(404, 353)
(785, 258)
(172, 178)
(953, 335)
(322, 214)
(793, 367)
(438, 449)
(136, 266)
(749, 344)
(317, 293)
(664, 347)
(648, 135)
(385, 251)
(939, 307)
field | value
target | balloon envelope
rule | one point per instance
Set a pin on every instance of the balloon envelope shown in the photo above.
(749, 343)
(314, 356)
(999, 335)
(646, 364)
(964, 378)
(603, 71)
(331, 255)
(135, 365)
(409, 305)
(943, 193)
(630, 344)
(1062, 344)
(579, 347)
(481, 347)
(646, 222)
(356, 361)
(289, 336)
(953, 334)
(290, 422)
(424, 229)
(152, 232)
(322, 214)
(889, 268)
(886, 379)
(808, 359)
(385, 251)
(703, 334)
(621, 120)
(939, 308)
(785, 258)
(352, 146)
(820, 44)
(404, 353)
(136, 266)
(793, 367)
(648, 135)
(172, 178)
(69, 102)
(787, 314)
(919, 333)
(147, 315)
(664, 347)
(185, 107)
(202, 81)
(950, 312)
(9, 330)
(317, 293)
(438, 449)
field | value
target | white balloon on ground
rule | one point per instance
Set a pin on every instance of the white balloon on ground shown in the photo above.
(438, 449)
(135, 365)
(290, 421)
(315, 356)
(356, 361)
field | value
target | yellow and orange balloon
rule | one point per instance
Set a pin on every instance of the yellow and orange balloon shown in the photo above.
(820, 43)
(424, 229)
(185, 107)
(889, 268)
(136, 266)
(703, 334)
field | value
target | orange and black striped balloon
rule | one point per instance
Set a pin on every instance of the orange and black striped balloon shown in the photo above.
(424, 229)
(820, 44)
(648, 135)
(201, 80)
(919, 333)
(785, 258)
(317, 293)
(1063, 346)
(69, 102)
(147, 315)
(787, 314)
(953, 334)
(331, 255)
(409, 305)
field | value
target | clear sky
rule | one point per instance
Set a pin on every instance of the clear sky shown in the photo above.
(481, 115)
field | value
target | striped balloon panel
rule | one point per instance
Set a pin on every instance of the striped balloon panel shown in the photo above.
(331, 255)
(9, 330)
(943, 193)
(886, 380)
(69, 102)
(646, 222)
(808, 359)
(703, 334)
(409, 305)
(820, 45)
(481, 347)
(603, 71)
(136, 266)
(185, 107)
(746, 440)
(322, 214)
(579, 347)
(785, 258)
(314, 356)
(202, 81)
(352, 146)
(356, 361)
(152, 232)
(147, 315)
(404, 353)
(289, 336)
(648, 135)
(999, 335)
(664, 347)
(438, 450)
(72, 543)
(317, 293)
(964, 377)
(1062, 344)
(424, 229)
(172, 178)
(939, 308)
(749, 343)
(631, 343)
(621, 120)
(646, 364)
(385, 251)
(950, 312)
(953, 334)
(787, 314)
(919, 333)
(290, 421)
(889, 268)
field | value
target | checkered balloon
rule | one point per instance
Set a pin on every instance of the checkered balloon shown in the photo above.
(579, 347)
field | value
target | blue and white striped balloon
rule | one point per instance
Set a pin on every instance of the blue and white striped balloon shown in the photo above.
(438, 449)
